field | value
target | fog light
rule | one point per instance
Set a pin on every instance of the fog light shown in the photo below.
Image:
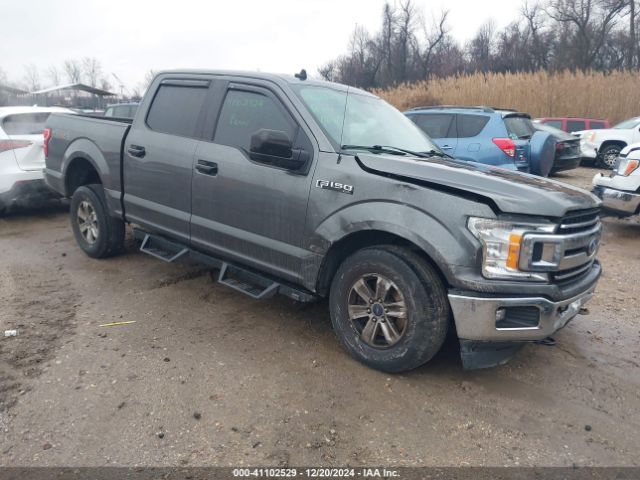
(501, 313)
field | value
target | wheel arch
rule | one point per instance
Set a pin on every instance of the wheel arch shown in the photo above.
(83, 163)
(80, 171)
(608, 143)
(351, 243)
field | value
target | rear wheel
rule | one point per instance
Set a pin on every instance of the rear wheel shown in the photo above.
(607, 158)
(389, 308)
(97, 233)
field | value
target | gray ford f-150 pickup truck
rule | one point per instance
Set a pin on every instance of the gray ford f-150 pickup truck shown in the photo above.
(313, 189)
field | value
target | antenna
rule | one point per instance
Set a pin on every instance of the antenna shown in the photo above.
(302, 75)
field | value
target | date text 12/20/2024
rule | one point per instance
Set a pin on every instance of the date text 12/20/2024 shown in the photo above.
(315, 472)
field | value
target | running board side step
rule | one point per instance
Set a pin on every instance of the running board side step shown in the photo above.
(161, 248)
(249, 282)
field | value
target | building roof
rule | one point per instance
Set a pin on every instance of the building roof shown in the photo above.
(15, 91)
(75, 86)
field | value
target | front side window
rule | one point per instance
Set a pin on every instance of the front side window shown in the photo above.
(25, 123)
(176, 110)
(245, 113)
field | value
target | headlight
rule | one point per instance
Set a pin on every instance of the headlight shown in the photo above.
(627, 166)
(501, 242)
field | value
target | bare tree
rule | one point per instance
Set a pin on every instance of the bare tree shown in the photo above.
(32, 77)
(631, 55)
(480, 47)
(92, 70)
(433, 40)
(148, 78)
(3, 77)
(53, 75)
(73, 71)
(589, 23)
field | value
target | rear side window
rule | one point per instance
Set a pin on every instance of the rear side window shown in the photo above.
(575, 125)
(471, 125)
(597, 125)
(436, 125)
(554, 123)
(519, 127)
(25, 123)
(176, 109)
(244, 113)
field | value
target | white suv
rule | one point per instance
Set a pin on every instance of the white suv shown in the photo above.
(620, 191)
(22, 155)
(605, 145)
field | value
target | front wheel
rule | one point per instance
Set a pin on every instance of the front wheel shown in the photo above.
(98, 234)
(607, 158)
(389, 308)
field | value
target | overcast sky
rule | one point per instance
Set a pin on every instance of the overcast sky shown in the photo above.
(130, 37)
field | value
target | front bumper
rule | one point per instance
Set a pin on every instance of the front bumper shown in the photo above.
(475, 316)
(618, 202)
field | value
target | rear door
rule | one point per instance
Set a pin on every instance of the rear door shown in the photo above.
(246, 209)
(159, 152)
(441, 127)
(27, 128)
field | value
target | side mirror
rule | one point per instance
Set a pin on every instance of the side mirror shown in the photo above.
(272, 143)
(274, 147)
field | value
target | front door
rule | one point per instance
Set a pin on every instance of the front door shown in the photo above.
(245, 208)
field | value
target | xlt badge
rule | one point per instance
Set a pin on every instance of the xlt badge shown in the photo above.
(335, 186)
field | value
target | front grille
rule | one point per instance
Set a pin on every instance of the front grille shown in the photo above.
(579, 221)
(569, 252)
(577, 260)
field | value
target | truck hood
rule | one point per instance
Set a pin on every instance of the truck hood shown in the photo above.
(510, 191)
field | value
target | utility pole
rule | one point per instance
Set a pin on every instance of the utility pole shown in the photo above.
(121, 86)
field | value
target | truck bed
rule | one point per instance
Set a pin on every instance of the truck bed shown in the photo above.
(86, 138)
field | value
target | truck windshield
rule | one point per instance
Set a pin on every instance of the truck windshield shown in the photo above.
(628, 124)
(353, 119)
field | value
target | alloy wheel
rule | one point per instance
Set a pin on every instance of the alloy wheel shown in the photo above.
(378, 311)
(88, 222)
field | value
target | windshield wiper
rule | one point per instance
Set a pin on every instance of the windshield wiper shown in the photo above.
(384, 149)
(437, 153)
(373, 149)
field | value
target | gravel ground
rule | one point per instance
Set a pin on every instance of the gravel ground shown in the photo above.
(206, 376)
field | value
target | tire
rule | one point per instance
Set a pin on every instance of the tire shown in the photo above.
(607, 158)
(101, 235)
(417, 337)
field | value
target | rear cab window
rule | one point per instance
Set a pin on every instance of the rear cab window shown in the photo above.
(176, 108)
(471, 125)
(25, 123)
(519, 127)
(436, 125)
(594, 125)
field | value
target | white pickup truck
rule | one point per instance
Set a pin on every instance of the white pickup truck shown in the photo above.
(604, 146)
(620, 191)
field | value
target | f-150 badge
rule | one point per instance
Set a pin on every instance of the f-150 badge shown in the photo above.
(335, 186)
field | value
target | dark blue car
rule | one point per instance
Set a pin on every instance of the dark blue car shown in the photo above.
(500, 137)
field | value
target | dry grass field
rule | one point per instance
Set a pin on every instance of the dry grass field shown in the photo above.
(614, 96)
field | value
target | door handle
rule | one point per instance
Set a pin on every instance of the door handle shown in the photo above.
(207, 168)
(446, 147)
(136, 151)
